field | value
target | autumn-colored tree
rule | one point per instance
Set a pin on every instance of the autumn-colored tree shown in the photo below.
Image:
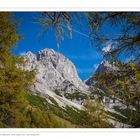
(124, 83)
(97, 116)
(14, 82)
(123, 86)
(60, 22)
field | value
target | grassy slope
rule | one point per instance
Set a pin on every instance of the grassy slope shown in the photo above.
(71, 117)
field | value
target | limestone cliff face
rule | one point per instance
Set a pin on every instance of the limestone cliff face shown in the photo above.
(55, 72)
(104, 67)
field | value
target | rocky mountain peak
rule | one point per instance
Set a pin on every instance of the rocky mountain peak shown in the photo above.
(55, 72)
(104, 67)
(46, 53)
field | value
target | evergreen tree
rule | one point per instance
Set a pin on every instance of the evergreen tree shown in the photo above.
(125, 42)
(14, 82)
(124, 83)
(97, 116)
(16, 110)
(61, 22)
(123, 86)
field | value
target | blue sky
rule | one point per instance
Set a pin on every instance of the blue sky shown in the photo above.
(78, 49)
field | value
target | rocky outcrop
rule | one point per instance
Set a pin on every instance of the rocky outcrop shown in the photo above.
(54, 72)
(104, 67)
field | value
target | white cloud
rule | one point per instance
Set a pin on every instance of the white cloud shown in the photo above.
(107, 48)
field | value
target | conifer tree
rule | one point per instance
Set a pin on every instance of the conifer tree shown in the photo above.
(16, 111)
(124, 83)
(97, 116)
(123, 86)
(14, 82)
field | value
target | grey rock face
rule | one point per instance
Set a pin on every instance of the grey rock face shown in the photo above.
(104, 67)
(109, 103)
(55, 71)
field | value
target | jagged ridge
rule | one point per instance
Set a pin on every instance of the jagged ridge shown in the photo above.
(55, 72)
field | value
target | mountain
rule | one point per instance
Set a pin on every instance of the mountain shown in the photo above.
(104, 67)
(98, 92)
(56, 77)
(58, 82)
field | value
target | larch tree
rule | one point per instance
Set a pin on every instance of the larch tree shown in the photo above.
(124, 54)
(123, 45)
(14, 82)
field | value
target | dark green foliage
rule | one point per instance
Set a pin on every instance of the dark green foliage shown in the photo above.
(76, 116)
(54, 113)
(96, 114)
(78, 96)
(126, 116)
(124, 86)
(46, 111)
(58, 93)
(53, 101)
(36, 101)
(42, 104)
(72, 116)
